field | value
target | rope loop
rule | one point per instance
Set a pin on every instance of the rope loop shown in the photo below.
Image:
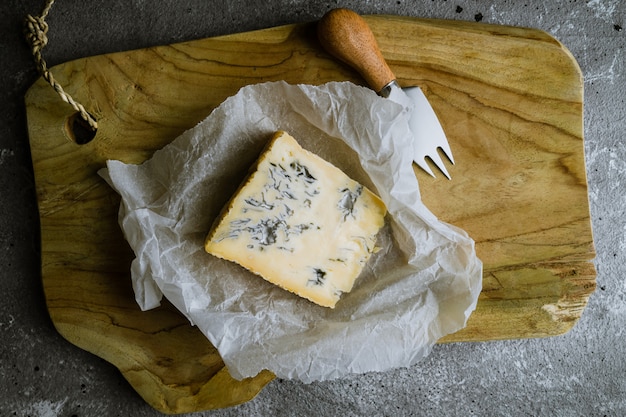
(36, 32)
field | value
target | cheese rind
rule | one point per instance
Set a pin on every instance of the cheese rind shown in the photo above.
(300, 223)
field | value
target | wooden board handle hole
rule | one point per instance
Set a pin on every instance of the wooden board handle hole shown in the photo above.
(78, 129)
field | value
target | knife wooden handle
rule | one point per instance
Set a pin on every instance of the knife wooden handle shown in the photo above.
(346, 36)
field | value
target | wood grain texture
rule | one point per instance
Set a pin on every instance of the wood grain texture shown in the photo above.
(510, 100)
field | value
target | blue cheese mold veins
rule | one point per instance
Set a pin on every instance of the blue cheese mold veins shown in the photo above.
(300, 223)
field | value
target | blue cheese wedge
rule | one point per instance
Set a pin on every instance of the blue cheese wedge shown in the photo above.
(300, 223)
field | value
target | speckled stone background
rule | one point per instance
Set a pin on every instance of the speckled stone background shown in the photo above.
(582, 373)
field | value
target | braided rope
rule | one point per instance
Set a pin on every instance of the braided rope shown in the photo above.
(36, 30)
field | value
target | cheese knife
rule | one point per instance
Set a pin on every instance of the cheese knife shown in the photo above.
(347, 36)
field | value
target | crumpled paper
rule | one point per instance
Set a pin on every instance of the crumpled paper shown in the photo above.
(422, 284)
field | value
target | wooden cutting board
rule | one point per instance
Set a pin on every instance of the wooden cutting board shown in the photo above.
(510, 100)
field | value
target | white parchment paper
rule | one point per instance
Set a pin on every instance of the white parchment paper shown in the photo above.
(422, 284)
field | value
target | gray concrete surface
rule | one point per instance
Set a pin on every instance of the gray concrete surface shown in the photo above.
(582, 373)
